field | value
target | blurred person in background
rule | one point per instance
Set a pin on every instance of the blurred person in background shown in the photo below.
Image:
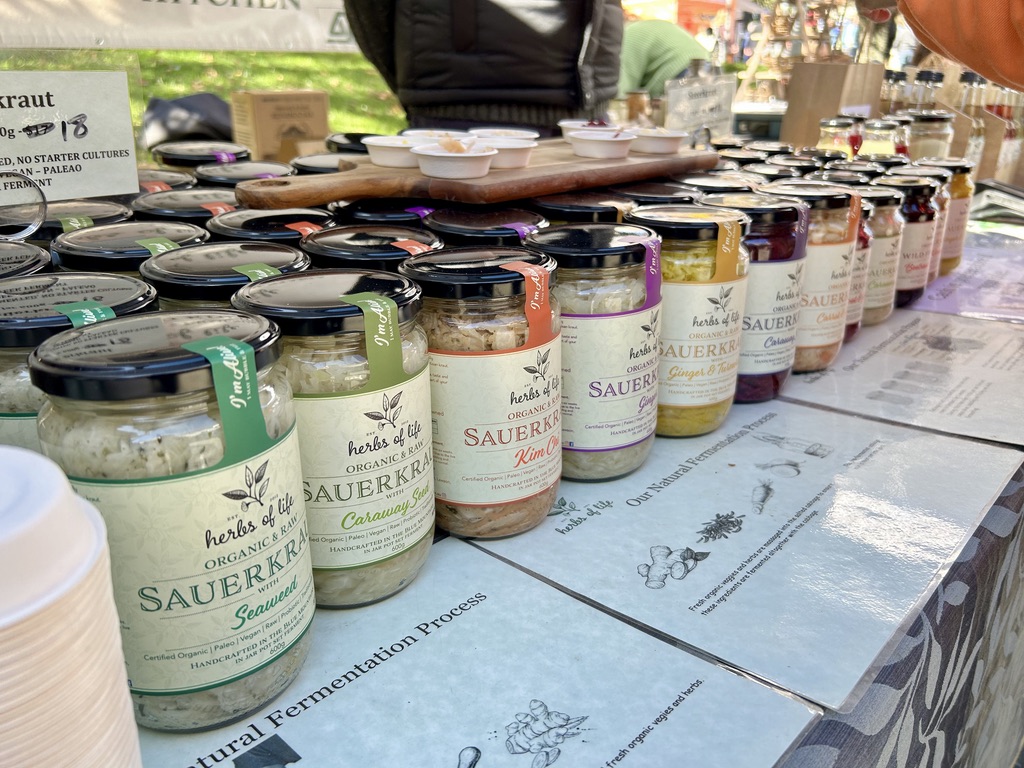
(653, 52)
(460, 64)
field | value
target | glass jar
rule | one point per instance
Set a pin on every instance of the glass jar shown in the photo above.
(777, 244)
(356, 359)
(368, 246)
(704, 267)
(281, 225)
(35, 307)
(205, 276)
(961, 192)
(712, 184)
(771, 147)
(609, 291)
(770, 172)
(931, 133)
(196, 205)
(68, 215)
(972, 104)
(942, 201)
(835, 133)
(742, 156)
(859, 272)
(319, 162)
(400, 211)
(822, 156)
(835, 176)
(656, 193)
(919, 212)
(879, 137)
(495, 364)
(856, 131)
(483, 226)
(582, 206)
(886, 161)
(886, 223)
(802, 163)
(21, 258)
(189, 154)
(121, 248)
(871, 170)
(164, 179)
(230, 174)
(177, 426)
(828, 269)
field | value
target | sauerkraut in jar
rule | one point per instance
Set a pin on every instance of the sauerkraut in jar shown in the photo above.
(886, 225)
(35, 307)
(828, 270)
(704, 268)
(356, 359)
(495, 373)
(177, 426)
(609, 291)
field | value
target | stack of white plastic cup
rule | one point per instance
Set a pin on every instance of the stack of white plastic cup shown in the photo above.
(64, 697)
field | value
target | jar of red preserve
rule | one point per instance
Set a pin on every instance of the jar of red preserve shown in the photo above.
(919, 212)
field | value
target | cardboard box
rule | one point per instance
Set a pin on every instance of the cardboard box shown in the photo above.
(273, 122)
(824, 89)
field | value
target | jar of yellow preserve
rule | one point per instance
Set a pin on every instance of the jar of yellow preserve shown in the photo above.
(704, 287)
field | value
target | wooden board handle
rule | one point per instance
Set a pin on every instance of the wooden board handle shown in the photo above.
(321, 188)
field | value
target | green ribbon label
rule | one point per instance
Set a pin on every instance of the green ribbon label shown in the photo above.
(383, 341)
(158, 245)
(71, 223)
(85, 312)
(234, 381)
(257, 270)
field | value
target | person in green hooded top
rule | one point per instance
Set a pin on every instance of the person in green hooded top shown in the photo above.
(653, 52)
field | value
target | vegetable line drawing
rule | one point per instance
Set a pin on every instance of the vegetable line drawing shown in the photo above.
(541, 732)
(799, 445)
(539, 370)
(252, 479)
(781, 467)
(722, 302)
(760, 495)
(652, 328)
(666, 562)
(469, 757)
(721, 527)
(389, 411)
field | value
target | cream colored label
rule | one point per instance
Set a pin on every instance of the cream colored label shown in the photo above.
(768, 341)
(826, 292)
(496, 424)
(367, 476)
(20, 431)
(211, 571)
(915, 255)
(883, 263)
(956, 228)
(609, 379)
(858, 286)
(700, 348)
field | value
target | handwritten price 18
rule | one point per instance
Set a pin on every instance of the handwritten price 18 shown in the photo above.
(79, 130)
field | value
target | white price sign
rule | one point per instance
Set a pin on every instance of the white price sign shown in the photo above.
(70, 132)
(693, 104)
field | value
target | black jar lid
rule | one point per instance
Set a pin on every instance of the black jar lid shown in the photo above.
(909, 185)
(27, 303)
(195, 204)
(855, 117)
(211, 270)
(18, 258)
(759, 208)
(485, 225)
(68, 215)
(471, 272)
(368, 246)
(900, 119)
(347, 142)
(836, 176)
(687, 222)
(743, 156)
(709, 184)
(880, 124)
(881, 196)
(287, 225)
(821, 154)
(729, 142)
(657, 192)
(930, 171)
(405, 211)
(163, 179)
(836, 122)
(771, 147)
(770, 171)
(593, 246)
(582, 206)
(230, 174)
(122, 247)
(886, 161)
(871, 170)
(310, 303)
(320, 162)
(141, 356)
(957, 165)
(802, 164)
(928, 115)
(189, 154)
(819, 195)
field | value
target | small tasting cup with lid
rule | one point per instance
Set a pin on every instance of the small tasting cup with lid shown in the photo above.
(281, 225)
(483, 225)
(196, 205)
(394, 151)
(368, 246)
(470, 159)
(205, 276)
(122, 247)
(607, 144)
(230, 174)
(190, 154)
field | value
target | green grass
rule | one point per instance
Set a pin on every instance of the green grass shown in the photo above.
(359, 99)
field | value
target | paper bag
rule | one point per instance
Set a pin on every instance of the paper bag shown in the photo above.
(824, 89)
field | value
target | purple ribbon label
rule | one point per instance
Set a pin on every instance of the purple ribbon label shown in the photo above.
(224, 157)
(420, 211)
(522, 228)
(265, 176)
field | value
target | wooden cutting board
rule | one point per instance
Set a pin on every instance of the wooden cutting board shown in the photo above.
(553, 169)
